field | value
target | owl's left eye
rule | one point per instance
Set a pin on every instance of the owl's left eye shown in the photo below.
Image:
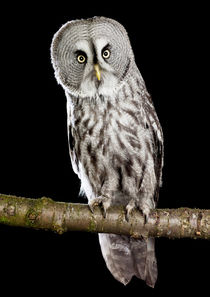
(106, 54)
(81, 59)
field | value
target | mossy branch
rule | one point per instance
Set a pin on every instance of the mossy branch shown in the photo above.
(60, 217)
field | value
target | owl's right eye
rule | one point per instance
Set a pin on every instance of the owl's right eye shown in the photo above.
(81, 59)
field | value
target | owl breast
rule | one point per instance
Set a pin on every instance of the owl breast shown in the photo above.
(113, 147)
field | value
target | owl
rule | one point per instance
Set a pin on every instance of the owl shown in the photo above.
(115, 138)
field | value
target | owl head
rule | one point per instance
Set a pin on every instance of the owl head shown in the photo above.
(91, 57)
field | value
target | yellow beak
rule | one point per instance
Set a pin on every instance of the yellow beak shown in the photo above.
(98, 71)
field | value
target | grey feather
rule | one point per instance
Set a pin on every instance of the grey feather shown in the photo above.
(115, 138)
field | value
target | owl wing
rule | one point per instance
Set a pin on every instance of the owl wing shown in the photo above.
(158, 158)
(153, 124)
(72, 152)
(71, 137)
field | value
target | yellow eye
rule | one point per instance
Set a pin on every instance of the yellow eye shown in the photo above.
(106, 54)
(81, 59)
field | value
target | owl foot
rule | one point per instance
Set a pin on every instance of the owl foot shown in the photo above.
(129, 209)
(133, 204)
(146, 212)
(103, 201)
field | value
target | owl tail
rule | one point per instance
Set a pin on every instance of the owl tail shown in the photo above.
(125, 257)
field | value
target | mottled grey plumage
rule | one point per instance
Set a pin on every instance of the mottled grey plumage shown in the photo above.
(115, 139)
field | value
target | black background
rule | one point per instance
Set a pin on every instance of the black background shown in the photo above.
(171, 45)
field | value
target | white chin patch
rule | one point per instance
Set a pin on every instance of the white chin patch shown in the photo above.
(91, 87)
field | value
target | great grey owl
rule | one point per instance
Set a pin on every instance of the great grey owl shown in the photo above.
(115, 138)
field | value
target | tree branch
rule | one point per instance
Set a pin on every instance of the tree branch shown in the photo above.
(60, 217)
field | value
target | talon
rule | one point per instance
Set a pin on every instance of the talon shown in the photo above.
(129, 209)
(133, 204)
(145, 218)
(91, 208)
(103, 202)
(93, 203)
(106, 202)
(146, 213)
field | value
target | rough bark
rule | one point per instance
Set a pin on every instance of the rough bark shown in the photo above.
(60, 217)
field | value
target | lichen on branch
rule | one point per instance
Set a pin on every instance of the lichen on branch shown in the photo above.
(60, 217)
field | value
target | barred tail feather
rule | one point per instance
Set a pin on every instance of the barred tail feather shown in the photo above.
(125, 257)
(117, 255)
(144, 260)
